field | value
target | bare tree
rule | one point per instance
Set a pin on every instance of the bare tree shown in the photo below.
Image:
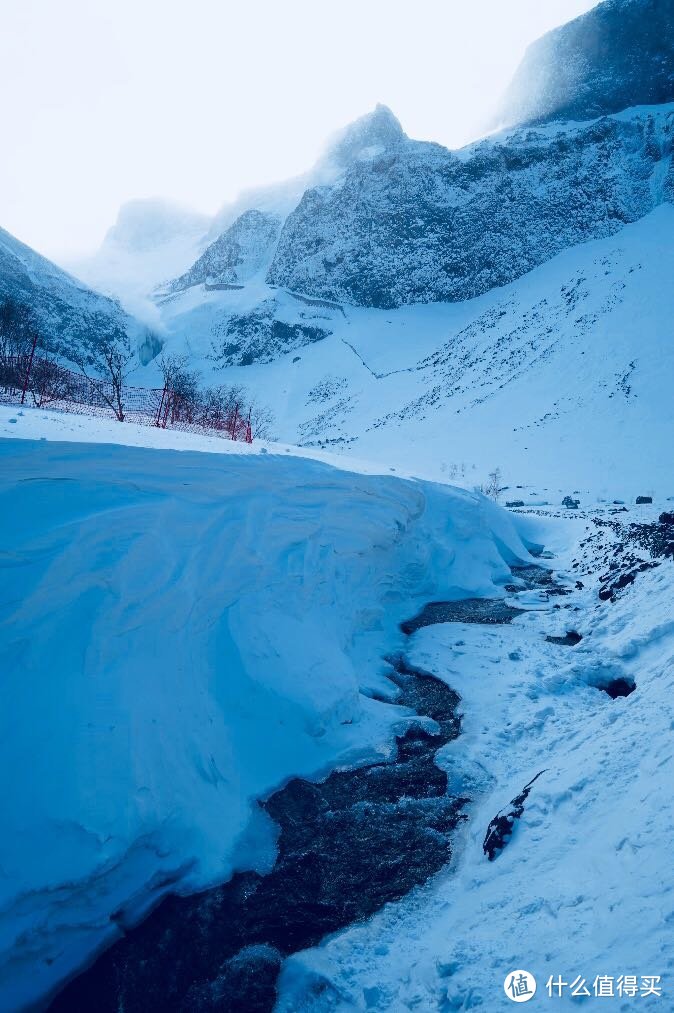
(261, 422)
(115, 360)
(181, 395)
(19, 337)
(492, 487)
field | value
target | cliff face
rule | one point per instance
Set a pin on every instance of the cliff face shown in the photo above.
(421, 224)
(236, 255)
(619, 54)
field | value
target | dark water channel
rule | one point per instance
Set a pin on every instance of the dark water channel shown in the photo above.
(347, 846)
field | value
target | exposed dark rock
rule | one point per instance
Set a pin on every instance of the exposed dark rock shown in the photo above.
(628, 550)
(515, 503)
(259, 336)
(534, 576)
(667, 518)
(252, 973)
(571, 503)
(501, 826)
(609, 591)
(569, 639)
(644, 499)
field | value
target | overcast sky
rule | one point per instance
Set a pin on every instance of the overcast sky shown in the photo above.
(104, 100)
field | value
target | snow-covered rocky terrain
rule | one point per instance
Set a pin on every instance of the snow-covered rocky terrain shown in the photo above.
(583, 888)
(284, 579)
(69, 316)
(315, 725)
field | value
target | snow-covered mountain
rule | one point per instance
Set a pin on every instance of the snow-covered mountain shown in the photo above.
(515, 378)
(417, 223)
(150, 243)
(236, 256)
(68, 314)
(283, 729)
(619, 54)
(531, 246)
(405, 222)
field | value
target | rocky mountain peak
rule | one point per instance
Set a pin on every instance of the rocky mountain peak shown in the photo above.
(366, 137)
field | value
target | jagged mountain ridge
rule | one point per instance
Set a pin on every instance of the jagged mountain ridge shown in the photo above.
(383, 221)
(237, 255)
(422, 224)
(619, 54)
(418, 224)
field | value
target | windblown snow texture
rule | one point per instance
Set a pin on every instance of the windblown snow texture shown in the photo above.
(181, 633)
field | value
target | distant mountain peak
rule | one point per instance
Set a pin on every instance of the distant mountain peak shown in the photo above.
(369, 135)
(146, 223)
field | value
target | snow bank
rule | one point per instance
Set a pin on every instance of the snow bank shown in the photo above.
(181, 633)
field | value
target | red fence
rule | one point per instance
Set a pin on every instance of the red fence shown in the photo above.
(43, 383)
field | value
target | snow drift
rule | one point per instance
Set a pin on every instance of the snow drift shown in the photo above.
(181, 633)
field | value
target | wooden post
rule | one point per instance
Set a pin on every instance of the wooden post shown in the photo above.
(161, 405)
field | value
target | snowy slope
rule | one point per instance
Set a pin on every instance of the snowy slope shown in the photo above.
(181, 632)
(517, 378)
(67, 312)
(585, 885)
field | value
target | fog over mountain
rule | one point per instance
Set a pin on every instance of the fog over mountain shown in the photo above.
(371, 706)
